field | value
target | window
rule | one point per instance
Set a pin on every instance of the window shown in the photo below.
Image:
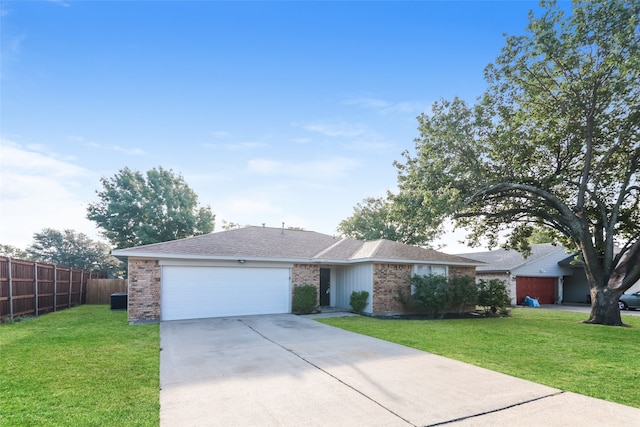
(427, 270)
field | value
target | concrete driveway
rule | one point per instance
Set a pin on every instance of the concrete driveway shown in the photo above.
(287, 370)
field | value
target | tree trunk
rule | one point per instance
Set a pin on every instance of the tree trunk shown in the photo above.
(604, 307)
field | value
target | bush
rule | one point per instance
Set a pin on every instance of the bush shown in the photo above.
(430, 294)
(305, 299)
(493, 295)
(462, 292)
(358, 301)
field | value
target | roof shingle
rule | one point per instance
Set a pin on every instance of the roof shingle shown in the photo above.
(285, 244)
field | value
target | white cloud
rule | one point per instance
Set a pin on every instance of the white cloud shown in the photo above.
(39, 190)
(133, 151)
(370, 146)
(387, 107)
(342, 129)
(244, 146)
(60, 3)
(367, 102)
(220, 134)
(14, 44)
(321, 170)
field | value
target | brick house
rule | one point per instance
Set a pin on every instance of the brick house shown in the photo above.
(253, 270)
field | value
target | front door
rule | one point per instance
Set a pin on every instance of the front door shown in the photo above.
(325, 296)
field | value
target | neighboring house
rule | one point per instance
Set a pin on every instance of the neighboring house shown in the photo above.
(576, 287)
(538, 276)
(253, 270)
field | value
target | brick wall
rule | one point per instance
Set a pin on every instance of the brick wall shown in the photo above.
(388, 280)
(456, 271)
(306, 274)
(392, 280)
(144, 290)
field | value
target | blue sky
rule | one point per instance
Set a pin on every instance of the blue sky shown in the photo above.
(272, 111)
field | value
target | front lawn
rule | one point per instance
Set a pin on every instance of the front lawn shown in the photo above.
(82, 366)
(549, 347)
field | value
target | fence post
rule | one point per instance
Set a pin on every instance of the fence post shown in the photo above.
(70, 285)
(81, 279)
(35, 285)
(10, 290)
(55, 287)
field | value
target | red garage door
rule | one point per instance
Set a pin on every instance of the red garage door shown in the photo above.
(541, 288)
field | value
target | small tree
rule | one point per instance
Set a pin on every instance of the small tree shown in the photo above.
(430, 294)
(493, 295)
(358, 301)
(305, 299)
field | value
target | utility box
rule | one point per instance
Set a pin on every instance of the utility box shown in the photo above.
(119, 301)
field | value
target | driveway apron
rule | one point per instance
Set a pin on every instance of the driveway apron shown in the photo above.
(286, 370)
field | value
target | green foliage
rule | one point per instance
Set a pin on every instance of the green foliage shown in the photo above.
(554, 143)
(305, 299)
(13, 252)
(137, 210)
(379, 218)
(79, 367)
(430, 294)
(229, 225)
(542, 235)
(493, 295)
(462, 292)
(358, 301)
(437, 295)
(550, 347)
(72, 249)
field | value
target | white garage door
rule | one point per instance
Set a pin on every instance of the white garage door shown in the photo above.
(198, 292)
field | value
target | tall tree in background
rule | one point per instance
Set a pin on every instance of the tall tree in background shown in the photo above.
(137, 210)
(376, 218)
(554, 142)
(13, 252)
(71, 249)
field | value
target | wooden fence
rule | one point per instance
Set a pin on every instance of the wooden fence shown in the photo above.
(99, 290)
(29, 288)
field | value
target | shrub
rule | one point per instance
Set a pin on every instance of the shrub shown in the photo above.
(305, 299)
(358, 301)
(462, 292)
(430, 294)
(493, 295)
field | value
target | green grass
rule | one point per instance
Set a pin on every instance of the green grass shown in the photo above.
(549, 347)
(79, 367)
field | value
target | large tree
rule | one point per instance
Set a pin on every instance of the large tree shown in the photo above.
(374, 218)
(554, 142)
(135, 209)
(72, 249)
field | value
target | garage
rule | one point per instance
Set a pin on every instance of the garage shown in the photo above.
(190, 292)
(541, 288)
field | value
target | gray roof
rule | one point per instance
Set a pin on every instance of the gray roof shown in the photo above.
(507, 260)
(276, 244)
